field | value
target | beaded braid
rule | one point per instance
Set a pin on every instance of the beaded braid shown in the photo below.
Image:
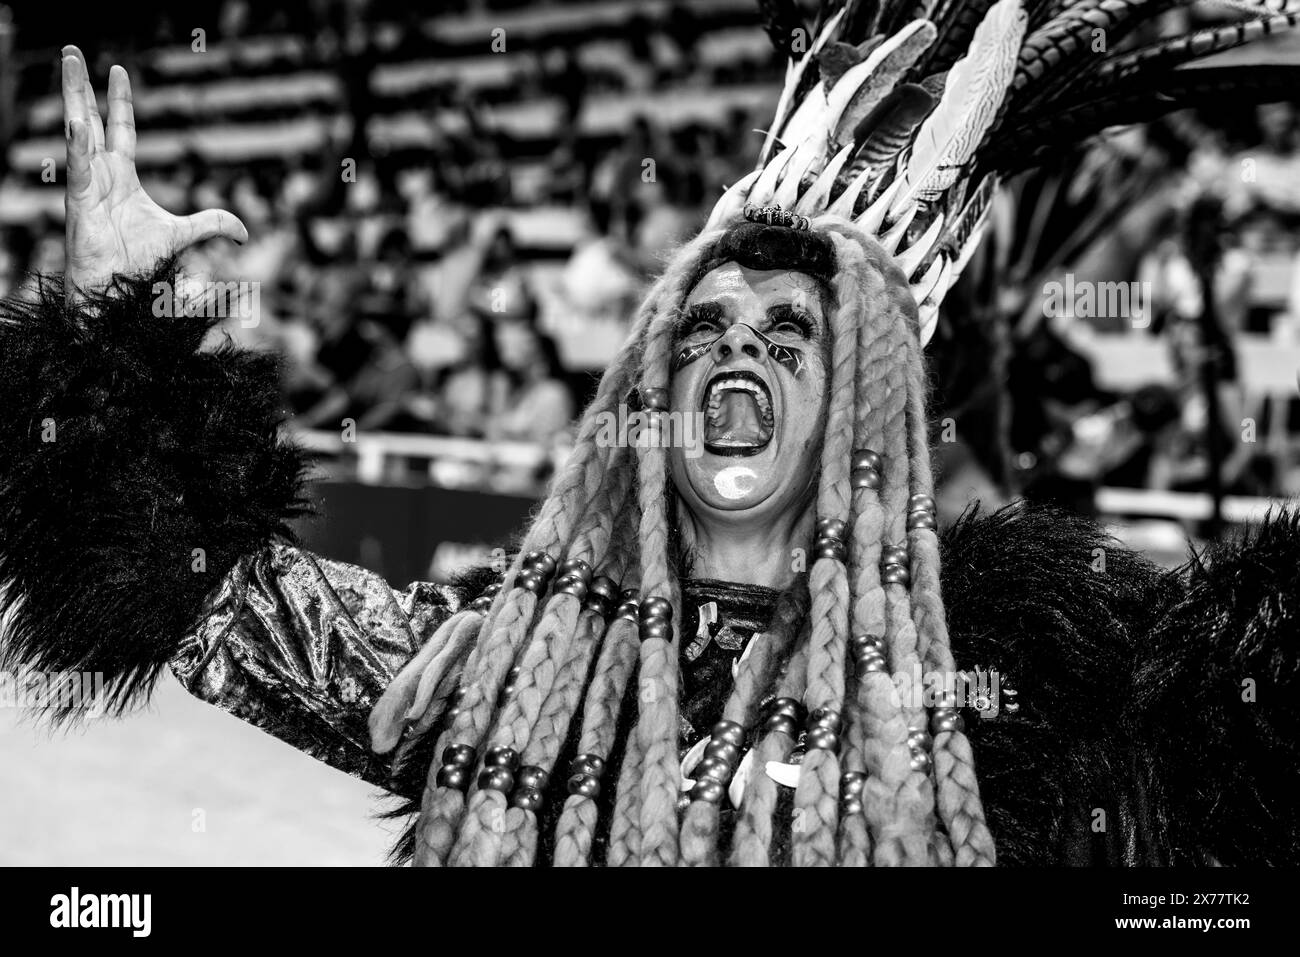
(561, 704)
(547, 652)
(600, 717)
(960, 807)
(512, 610)
(751, 845)
(757, 670)
(817, 797)
(656, 733)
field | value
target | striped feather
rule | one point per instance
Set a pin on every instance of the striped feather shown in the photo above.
(973, 93)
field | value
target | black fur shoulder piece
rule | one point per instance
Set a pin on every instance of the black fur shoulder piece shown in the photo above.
(1216, 692)
(1058, 608)
(134, 470)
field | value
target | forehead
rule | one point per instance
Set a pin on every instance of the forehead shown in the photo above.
(734, 283)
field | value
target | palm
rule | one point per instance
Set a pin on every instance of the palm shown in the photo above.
(113, 227)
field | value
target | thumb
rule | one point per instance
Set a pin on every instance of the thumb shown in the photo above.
(210, 224)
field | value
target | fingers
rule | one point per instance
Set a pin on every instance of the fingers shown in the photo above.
(78, 156)
(210, 224)
(120, 135)
(90, 107)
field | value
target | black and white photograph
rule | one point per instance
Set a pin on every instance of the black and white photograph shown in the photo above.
(651, 433)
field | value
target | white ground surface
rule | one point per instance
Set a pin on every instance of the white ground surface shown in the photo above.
(126, 792)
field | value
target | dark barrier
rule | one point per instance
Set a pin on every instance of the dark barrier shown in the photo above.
(411, 534)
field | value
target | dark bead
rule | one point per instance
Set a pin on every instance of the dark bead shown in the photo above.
(821, 739)
(866, 459)
(656, 629)
(893, 555)
(920, 501)
(831, 528)
(945, 719)
(578, 568)
(481, 604)
(722, 751)
(786, 706)
(920, 760)
(496, 779)
(527, 799)
(851, 806)
(852, 783)
(598, 604)
(592, 764)
(531, 776)
(917, 520)
(919, 738)
(728, 731)
(827, 718)
(571, 585)
(605, 587)
(870, 662)
(530, 580)
(862, 644)
(781, 724)
(453, 776)
(708, 791)
(895, 575)
(458, 695)
(829, 548)
(502, 757)
(656, 608)
(451, 715)
(539, 564)
(492, 590)
(459, 755)
(864, 478)
(627, 610)
(714, 770)
(655, 399)
(584, 785)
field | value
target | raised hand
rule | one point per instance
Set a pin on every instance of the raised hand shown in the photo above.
(113, 227)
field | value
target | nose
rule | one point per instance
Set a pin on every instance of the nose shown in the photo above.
(739, 339)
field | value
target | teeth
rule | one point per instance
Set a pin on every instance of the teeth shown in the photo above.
(742, 385)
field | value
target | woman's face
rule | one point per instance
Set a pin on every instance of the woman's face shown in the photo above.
(750, 356)
(517, 346)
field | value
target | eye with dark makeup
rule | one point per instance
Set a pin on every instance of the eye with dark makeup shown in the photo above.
(703, 318)
(787, 319)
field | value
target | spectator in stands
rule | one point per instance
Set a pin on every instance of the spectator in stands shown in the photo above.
(533, 402)
(501, 289)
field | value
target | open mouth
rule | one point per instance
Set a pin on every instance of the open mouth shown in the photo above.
(738, 415)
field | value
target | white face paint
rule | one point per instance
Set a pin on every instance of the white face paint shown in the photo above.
(735, 482)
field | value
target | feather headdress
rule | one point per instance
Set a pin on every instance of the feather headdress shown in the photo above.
(904, 115)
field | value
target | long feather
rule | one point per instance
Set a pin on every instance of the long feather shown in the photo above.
(1193, 46)
(973, 93)
(887, 130)
(895, 62)
(1137, 100)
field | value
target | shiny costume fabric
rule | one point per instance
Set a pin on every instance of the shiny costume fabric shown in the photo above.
(1130, 679)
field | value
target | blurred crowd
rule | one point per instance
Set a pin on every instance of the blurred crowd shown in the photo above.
(462, 276)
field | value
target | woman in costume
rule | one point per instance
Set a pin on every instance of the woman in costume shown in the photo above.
(693, 657)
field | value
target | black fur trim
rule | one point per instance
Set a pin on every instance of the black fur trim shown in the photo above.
(123, 448)
(1025, 594)
(1230, 767)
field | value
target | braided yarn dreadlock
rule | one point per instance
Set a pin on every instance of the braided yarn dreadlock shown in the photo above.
(554, 660)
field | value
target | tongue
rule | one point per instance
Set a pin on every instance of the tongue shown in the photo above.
(737, 421)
